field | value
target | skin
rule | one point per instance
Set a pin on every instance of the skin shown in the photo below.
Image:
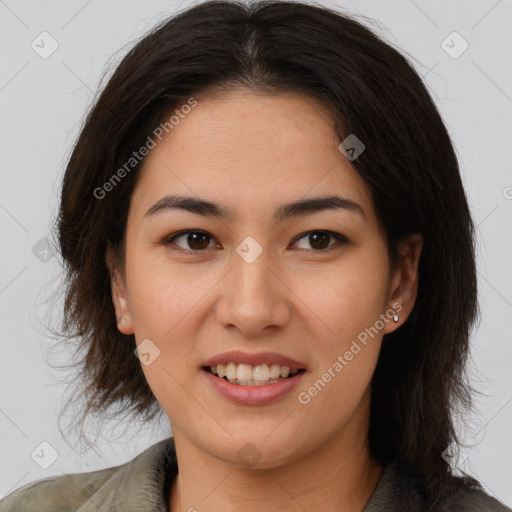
(253, 152)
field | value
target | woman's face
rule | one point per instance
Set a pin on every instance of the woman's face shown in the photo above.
(254, 281)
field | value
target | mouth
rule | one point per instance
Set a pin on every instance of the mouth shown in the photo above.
(248, 375)
(250, 378)
(261, 384)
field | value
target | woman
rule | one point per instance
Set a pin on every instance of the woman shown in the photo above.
(265, 205)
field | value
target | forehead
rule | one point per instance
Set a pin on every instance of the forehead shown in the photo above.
(252, 149)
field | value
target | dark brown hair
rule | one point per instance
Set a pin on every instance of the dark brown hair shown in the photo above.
(409, 165)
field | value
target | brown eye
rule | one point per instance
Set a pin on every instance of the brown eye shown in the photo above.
(196, 240)
(319, 239)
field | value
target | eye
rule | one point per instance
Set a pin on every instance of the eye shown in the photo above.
(196, 240)
(319, 239)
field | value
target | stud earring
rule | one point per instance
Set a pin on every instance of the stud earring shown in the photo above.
(395, 317)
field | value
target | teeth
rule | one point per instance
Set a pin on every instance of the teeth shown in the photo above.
(285, 371)
(230, 371)
(244, 372)
(275, 371)
(253, 382)
(261, 373)
(248, 375)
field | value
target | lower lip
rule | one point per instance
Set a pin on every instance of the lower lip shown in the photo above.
(253, 395)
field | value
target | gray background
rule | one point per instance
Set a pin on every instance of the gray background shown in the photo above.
(43, 101)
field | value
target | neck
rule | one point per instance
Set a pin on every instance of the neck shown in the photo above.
(339, 474)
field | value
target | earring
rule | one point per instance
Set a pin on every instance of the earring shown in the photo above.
(395, 317)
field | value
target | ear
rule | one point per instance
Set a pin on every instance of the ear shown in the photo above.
(404, 281)
(119, 296)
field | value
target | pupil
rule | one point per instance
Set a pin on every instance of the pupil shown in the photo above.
(317, 238)
(195, 239)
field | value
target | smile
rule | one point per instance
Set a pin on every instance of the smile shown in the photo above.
(248, 375)
(252, 392)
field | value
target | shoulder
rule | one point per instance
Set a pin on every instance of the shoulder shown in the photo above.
(454, 494)
(63, 493)
(104, 489)
(463, 495)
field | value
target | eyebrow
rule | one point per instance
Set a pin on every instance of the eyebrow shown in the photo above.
(282, 213)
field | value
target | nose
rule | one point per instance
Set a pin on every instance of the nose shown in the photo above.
(253, 297)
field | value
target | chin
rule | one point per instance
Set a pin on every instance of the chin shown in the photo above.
(258, 451)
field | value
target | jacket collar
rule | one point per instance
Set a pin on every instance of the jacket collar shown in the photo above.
(140, 485)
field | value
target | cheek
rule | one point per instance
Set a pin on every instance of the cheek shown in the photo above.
(347, 301)
(347, 297)
(163, 293)
(164, 305)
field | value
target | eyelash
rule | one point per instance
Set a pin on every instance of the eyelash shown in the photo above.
(333, 234)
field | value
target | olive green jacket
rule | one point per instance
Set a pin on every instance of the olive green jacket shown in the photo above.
(143, 485)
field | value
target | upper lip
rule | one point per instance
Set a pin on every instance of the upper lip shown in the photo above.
(254, 359)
